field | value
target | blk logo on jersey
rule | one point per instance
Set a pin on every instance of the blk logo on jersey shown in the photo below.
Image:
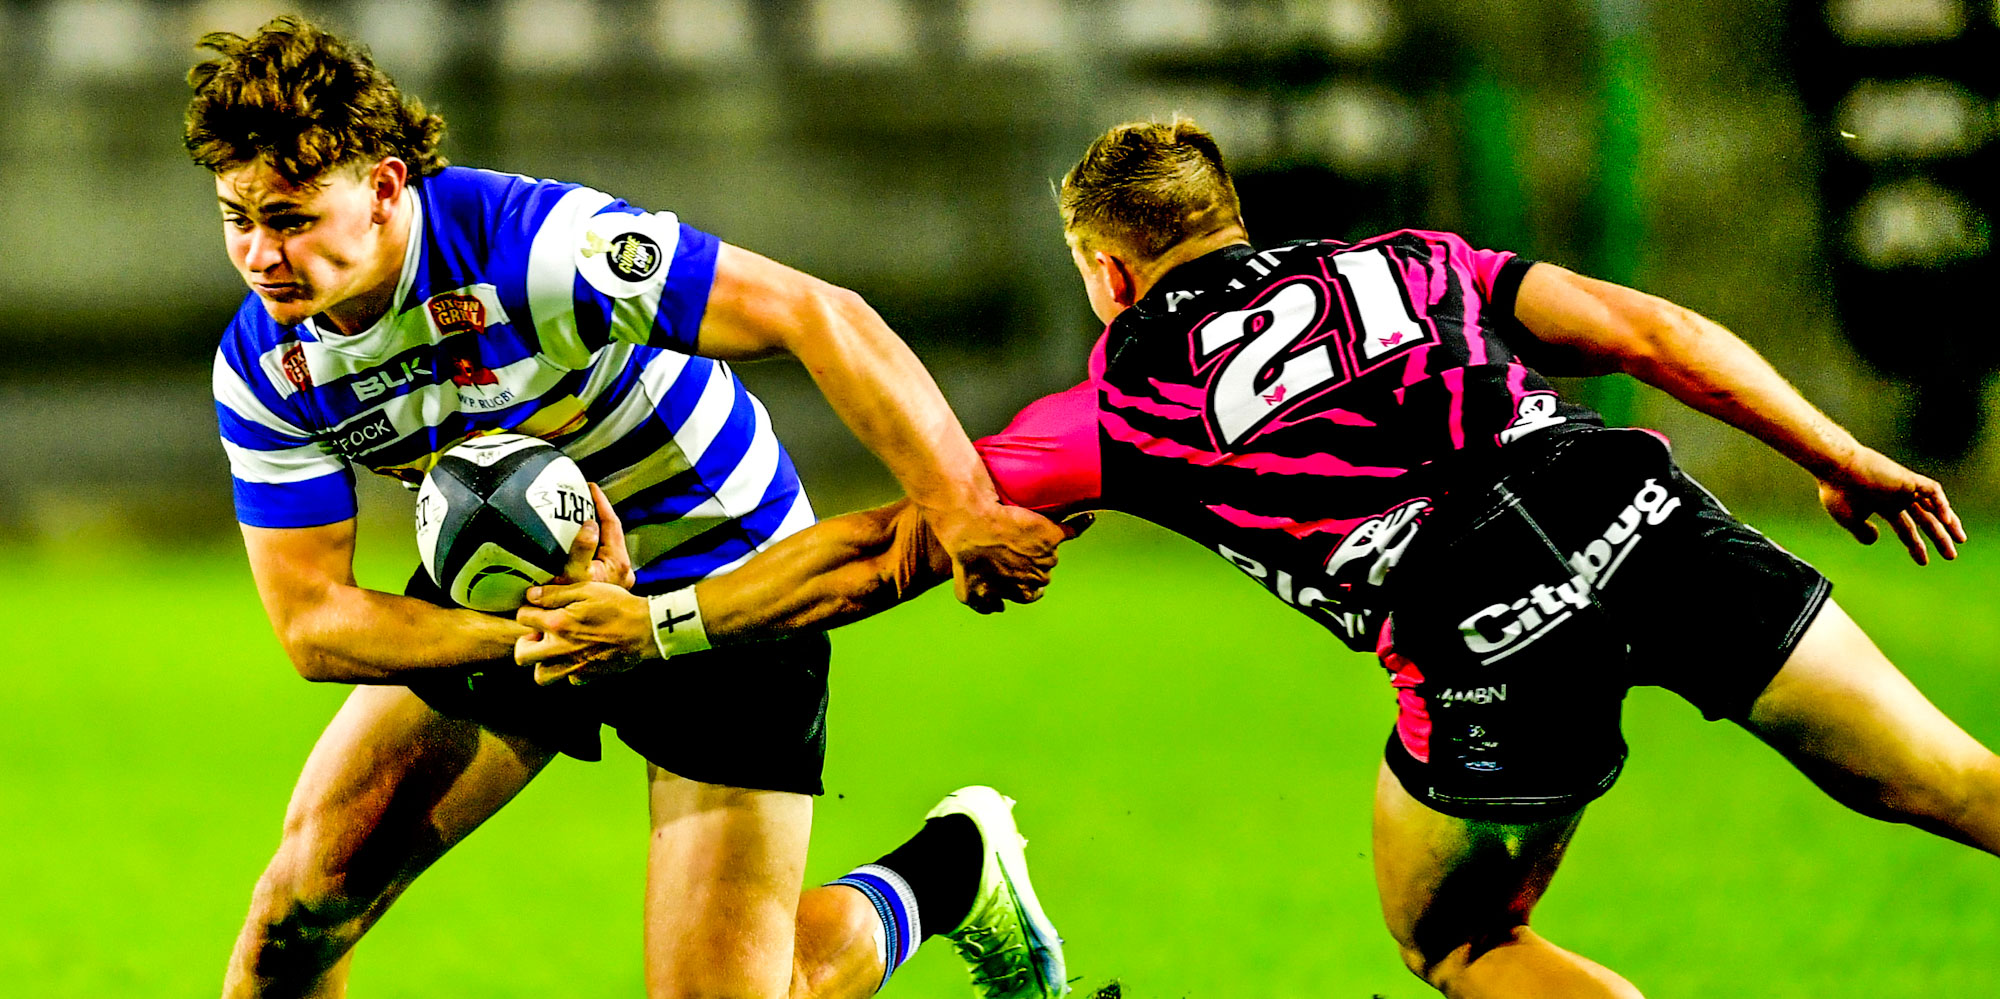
(386, 379)
(1500, 630)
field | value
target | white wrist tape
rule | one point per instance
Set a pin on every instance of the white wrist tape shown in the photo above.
(677, 624)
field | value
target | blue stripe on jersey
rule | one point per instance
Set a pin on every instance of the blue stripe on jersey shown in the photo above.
(683, 305)
(701, 555)
(251, 434)
(328, 499)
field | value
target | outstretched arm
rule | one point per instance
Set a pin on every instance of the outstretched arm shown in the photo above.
(1607, 327)
(759, 308)
(835, 572)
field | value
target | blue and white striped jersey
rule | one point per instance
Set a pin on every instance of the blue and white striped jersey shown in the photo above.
(532, 307)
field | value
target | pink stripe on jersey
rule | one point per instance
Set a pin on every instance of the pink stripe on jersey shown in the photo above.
(1186, 395)
(1474, 303)
(1165, 410)
(1339, 416)
(1517, 383)
(1454, 382)
(1295, 528)
(1312, 464)
(1413, 372)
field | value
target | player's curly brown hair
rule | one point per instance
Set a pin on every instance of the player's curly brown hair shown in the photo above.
(306, 101)
(1148, 185)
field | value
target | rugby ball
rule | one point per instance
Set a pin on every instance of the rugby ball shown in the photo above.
(496, 515)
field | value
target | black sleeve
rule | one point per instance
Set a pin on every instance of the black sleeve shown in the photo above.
(1547, 359)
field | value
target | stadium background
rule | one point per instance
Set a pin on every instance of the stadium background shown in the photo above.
(1194, 762)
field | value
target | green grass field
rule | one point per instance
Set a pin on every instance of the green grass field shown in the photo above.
(1197, 797)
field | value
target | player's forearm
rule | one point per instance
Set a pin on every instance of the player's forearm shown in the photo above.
(891, 403)
(834, 573)
(1697, 361)
(354, 635)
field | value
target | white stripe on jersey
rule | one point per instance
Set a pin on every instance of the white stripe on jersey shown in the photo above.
(272, 363)
(605, 368)
(552, 275)
(797, 519)
(232, 391)
(293, 464)
(640, 402)
(710, 415)
(745, 486)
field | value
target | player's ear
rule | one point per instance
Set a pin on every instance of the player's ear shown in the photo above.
(385, 182)
(1118, 278)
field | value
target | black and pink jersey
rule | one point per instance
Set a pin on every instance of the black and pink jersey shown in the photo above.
(1297, 409)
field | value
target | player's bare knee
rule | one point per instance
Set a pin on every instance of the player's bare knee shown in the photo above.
(1439, 959)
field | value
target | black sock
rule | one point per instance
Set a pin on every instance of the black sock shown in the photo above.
(941, 863)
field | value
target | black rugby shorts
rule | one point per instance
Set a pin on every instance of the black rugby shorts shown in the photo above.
(749, 716)
(1528, 606)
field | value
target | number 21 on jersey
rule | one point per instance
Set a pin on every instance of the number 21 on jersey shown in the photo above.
(1269, 373)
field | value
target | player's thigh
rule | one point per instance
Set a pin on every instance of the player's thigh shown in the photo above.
(1447, 882)
(390, 786)
(722, 887)
(1842, 713)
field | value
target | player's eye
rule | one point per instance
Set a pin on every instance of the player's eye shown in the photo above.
(236, 222)
(291, 223)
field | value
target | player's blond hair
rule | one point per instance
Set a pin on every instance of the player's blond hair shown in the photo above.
(1146, 186)
(304, 100)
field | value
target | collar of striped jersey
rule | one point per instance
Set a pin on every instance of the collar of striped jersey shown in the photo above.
(370, 343)
(1195, 275)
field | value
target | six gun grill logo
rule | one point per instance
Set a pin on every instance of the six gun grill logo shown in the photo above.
(458, 314)
(632, 256)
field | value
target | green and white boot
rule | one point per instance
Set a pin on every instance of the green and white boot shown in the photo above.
(1014, 950)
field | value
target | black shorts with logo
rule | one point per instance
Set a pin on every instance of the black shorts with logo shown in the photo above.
(750, 716)
(1528, 606)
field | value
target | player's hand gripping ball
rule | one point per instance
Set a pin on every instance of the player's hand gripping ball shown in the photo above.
(497, 515)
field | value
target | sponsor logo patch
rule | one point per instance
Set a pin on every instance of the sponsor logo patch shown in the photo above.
(293, 364)
(360, 436)
(455, 314)
(385, 379)
(1385, 537)
(632, 256)
(1502, 629)
(1535, 411)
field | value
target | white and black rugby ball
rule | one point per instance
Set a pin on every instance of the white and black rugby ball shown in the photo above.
(496, 515)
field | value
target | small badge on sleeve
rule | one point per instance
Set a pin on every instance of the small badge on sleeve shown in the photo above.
(625, 256)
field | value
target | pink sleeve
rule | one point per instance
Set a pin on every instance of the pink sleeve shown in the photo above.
(1484, 265)
(1047, 459)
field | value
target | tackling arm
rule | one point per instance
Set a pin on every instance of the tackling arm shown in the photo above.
(759, 308)
(1608, 327)
(835, 572)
